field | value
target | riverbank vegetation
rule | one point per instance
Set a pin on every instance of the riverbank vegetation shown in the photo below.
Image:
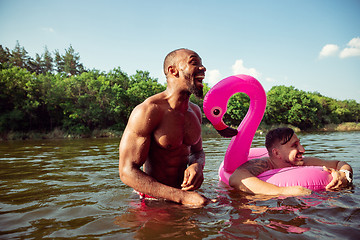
(54, 96)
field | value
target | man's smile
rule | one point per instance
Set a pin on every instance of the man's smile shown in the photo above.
(199, 79)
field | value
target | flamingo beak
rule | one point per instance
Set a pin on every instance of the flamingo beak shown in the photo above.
(228, 132)
(224, 130)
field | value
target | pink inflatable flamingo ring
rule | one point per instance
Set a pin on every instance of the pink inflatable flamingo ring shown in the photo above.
(239, 150)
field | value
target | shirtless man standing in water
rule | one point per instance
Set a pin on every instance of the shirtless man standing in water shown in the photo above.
(163, 135)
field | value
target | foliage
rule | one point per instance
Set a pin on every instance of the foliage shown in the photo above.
(78, 104)
(142, 87)
(238, 106)
(69, 63)
(288, 105)
(4, 57)
(18, 99)
(291, 106)
(49, 93)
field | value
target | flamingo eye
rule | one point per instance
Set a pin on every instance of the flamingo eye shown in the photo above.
(216, 111)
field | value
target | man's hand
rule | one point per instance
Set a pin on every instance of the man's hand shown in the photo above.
(194, 199)
(193, 177)
(339, 179)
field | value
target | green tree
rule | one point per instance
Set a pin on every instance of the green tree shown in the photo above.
(53, 95)
(19, 99)
(142, 86)
(336, 111)
(326, 115)
(288, 105)
(47, 61)
(238, 106)
(37, 65)
(42, 63)
(69, 63)
(95, 100)
(19, 57)
(59, 63)
(32, 97)
(120, 103)
(4, 57)
(354, 110)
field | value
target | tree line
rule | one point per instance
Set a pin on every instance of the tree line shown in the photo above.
(55, 90)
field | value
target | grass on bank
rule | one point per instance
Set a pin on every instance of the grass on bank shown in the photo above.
(58, 133)
(343, 127)
(207, 131)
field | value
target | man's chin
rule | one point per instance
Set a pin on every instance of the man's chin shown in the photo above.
(299, 163)
(198, 92)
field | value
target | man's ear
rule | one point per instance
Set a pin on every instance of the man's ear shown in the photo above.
(275, 152)
(173, 71)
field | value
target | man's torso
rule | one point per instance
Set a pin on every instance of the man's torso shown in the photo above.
(171, 143)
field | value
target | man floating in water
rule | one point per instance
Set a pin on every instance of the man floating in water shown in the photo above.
(285, 150)
(163, 135)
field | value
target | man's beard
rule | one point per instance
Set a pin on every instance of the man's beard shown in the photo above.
(296, 163)
(198, 92)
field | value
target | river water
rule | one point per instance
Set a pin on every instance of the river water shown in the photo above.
(71, 189)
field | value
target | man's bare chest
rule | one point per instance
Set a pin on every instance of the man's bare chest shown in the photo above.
(178, 129)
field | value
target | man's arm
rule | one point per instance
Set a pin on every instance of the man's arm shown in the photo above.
(193, 175)
(337, 169)
(133, 152)
(244, 179)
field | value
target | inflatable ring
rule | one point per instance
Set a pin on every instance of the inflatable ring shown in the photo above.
(239, 150)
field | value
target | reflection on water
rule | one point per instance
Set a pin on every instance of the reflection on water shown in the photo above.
(71, 189)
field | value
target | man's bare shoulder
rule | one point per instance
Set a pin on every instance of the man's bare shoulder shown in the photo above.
(152, 104)
(145, 116)
(194, 106)
(196, 109)
(256, 166)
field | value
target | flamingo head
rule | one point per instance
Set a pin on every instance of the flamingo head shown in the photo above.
(215, 106)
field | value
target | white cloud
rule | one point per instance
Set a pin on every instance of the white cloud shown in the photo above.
(355, 42)
(214, 76)
(269, 79)
(239, 68)
(329, 50)
(352, 50)
(48, 29)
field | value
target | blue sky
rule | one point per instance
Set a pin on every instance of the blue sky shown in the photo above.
(312, 45)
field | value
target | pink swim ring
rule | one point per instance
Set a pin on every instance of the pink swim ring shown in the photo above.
(239, 150)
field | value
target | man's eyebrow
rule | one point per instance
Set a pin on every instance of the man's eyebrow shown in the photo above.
(194, 56)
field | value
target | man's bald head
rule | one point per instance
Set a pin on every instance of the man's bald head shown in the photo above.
(172, 59)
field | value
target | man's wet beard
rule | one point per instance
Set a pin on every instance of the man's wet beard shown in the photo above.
(198, 92)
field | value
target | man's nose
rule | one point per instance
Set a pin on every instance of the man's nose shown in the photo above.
(301, 148)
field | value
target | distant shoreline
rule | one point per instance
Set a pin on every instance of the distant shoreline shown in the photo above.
(207, 131)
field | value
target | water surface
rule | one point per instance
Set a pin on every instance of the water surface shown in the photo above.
(71, 189)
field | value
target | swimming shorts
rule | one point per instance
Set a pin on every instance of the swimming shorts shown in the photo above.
(144, 196)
